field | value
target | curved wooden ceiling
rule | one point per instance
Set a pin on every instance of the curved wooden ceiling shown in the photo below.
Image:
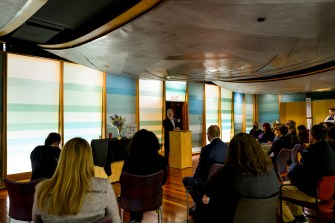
(230, 43)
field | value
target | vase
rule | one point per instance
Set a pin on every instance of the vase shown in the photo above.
(119, 129)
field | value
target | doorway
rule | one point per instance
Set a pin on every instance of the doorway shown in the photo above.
(177, 107)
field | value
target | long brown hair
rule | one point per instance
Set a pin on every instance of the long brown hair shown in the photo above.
(246, 155)
(66, 190)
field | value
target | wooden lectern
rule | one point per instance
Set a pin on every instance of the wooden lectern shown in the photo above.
(180, 149)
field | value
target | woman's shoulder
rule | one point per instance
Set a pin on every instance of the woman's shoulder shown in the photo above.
(99, 184)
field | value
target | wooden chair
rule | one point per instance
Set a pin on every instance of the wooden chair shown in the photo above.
(281, 163)
(214, 168)
(323, 199)
(256, 210)
(141, 193)
(21, 198)
(294, 153)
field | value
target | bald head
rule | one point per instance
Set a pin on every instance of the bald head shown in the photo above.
(213, 131)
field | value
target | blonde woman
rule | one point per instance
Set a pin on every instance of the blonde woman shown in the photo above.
(73, 194)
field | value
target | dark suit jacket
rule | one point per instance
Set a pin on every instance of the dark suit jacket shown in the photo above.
(167, 124)
(44, 160)
(317, 161)
(215, 152)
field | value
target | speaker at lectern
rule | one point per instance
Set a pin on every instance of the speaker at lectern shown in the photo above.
(180, 149)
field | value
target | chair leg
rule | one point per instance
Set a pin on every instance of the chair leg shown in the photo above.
(187, 205)
(121, 214)
(159, 215)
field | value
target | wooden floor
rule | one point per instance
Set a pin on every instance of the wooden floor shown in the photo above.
(174, 200)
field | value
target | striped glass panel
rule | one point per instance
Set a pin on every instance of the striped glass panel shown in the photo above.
(212, 105)
(226, 114)
(32, 107)
(151, 106)
(268, 108)
(249, 112)
(238, 112)
(121, 100)
(196, 112)
(175, 90)
(82, 102)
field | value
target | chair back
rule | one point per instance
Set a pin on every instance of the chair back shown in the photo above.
(106, 219)
(281, 162)
(141, 193)
(294, 153)
(256, 210)
(21, 198)
(326, 186)
(215, 168)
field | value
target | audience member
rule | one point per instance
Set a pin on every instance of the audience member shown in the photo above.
(44, 158)
(317, 161)
(143, 159)
(292, 133)
(328, 124)
(331, 137)
(267, 136)
(73, 194)
(274, 125)
(248, 172)
(169, 124)
(215, 152)
(303, 134)
(283, 141)
(330, 117)
(255, 131)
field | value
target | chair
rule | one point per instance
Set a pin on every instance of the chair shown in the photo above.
(281, 163)
(106, 219)
(294, 153)
(141, 193)
(256, 210)
(21, 198)
(323, 199)
(214, 168)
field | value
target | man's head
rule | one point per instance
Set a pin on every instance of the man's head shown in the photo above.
(331, 134)
(169, 113)
(53, 139)
(318, 133)
(213, 131)
(332, 111)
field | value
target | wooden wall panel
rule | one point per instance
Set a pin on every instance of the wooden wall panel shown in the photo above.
(320, 110)
(293, 111)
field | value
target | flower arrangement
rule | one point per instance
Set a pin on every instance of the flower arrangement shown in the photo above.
(118, 121)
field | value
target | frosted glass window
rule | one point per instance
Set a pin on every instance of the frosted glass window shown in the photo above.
(32, 107)
(238, 112)
(249, 112)
(82, 102)
(226, 114)
(212, 105)
(196, 112)
(121, 100)
(151, 106)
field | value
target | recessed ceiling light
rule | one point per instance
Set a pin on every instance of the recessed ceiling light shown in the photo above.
(323, 89)
(261, 19)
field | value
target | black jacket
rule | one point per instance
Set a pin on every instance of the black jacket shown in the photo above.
(215, 152)
(317, 161)
(44, 160)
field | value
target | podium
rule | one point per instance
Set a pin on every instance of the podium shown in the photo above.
(180, 149)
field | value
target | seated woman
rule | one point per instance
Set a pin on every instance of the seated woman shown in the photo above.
(248, 172)
(255, 131)
(73, 194)
(144, 159)
(283, 141)
(292, 133)
(268, 135)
